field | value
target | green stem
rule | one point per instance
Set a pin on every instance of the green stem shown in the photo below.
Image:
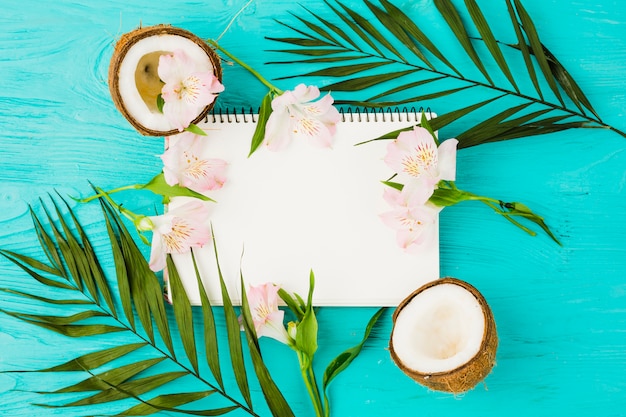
(311, 385)
(105, 193)
(262, 79)
(135, 218)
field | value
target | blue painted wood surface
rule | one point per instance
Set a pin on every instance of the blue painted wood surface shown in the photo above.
(560, 311)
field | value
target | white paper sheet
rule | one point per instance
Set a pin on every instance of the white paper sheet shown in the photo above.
(282, 214)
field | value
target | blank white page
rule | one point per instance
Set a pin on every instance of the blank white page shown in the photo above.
(281, 214)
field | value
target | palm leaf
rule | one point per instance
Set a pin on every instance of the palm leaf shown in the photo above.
(490, 41)
(210, 331)
(385, 29)
(130, 379)
(95, 359)
(96, 273)
(182, 313)
(452, 17)
(234, 336)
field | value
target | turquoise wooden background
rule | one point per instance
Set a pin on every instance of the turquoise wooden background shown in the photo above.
(560, 311)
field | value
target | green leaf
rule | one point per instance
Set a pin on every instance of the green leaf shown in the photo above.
(158, 186)
(306, 336)
(311, 52)
(96, 273)
(404, 87)
(317, 60)
(394, 185)
(95, 359)
(478, 133)
(341, 362)
(168, 402)
(63, 320)
(490, 41)
(78, 255)
(41, 279)
(412, 29)
(211, 346)
(123, 285)
(71, 301)
(32, 263)
(116, 376)
(530, 68)
(195, 130)
(234, 337)
(416, 99)
(354, 27)
(264, 114)
(316, 28)
(70, 330)
(292, 304)
(537, 47)
(47, 244)
(337, 30)
(398, 31)
(340, 71)
(125, 389)
(301, 41)
(361, 83)
(452, 17)
(182, 313)
(369, 28)
(160, 103)
(519, 209)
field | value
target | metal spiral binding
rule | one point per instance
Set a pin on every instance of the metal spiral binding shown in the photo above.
(386, 114)
(364, 114)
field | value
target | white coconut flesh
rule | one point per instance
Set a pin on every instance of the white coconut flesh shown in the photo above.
(139, 83)
(440, 329)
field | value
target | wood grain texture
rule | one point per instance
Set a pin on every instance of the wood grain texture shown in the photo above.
(560, 311)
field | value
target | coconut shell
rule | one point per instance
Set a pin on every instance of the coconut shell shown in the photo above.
(466, 376)
(123, 46)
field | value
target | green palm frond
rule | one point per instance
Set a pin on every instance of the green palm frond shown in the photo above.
(417, 70)
(115, 373)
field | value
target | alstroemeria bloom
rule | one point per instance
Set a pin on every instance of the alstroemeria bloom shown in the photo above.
(413, 218)
(267, 318)
(295, 115)
(183, 164)
(177, 231)
(189, 87)
(414, 156)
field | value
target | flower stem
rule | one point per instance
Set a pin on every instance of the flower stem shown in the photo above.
(308, 376)
(135, 218)
(262, 79)
(105, 193)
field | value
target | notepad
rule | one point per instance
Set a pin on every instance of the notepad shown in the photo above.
(282, 214)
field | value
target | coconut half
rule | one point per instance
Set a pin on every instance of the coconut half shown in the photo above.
(134, 81)
(444, 336)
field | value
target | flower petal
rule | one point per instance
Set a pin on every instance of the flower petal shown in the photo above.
(447, 159)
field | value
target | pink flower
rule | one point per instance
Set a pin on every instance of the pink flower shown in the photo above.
(177, 231)
(267, 318)
(295, 115)
(414, 156)
(189, 87)
(413, 218)
(183, 164)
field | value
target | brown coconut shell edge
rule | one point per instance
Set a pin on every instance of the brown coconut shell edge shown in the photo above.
(468, 375)
(121, 49)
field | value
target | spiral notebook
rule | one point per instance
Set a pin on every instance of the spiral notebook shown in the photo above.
(282, 214)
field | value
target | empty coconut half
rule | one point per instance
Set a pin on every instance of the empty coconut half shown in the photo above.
(444, 336)
(134, 81)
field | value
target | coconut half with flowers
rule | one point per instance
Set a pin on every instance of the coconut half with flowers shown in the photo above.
(137, 87)
(444, 336)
